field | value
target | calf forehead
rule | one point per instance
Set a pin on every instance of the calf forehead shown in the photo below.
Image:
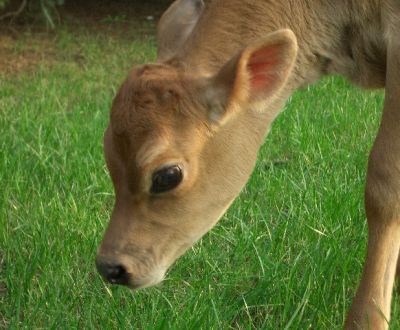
(155, 108)
(153, 97)
(140, 101)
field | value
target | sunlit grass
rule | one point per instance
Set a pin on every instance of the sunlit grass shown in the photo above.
(287, 255)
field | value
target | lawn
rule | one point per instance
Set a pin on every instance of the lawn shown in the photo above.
(287, 255)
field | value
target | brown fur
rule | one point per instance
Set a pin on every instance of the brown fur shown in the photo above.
(223, 76)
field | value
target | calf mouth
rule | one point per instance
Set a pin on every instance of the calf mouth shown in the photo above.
(118, 272)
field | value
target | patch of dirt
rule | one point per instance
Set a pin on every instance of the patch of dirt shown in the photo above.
(26, 41)
(15, 58)
(118, 18)
(97, 10)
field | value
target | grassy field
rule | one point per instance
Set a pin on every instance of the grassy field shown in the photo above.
(287, 255)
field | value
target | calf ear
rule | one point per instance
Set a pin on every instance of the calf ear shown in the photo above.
(253, 77)
(175, 26)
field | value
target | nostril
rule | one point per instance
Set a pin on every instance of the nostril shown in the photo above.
(114, 273)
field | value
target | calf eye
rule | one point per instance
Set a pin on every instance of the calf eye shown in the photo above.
(166, 179)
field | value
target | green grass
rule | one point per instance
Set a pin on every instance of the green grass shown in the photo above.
(287, 255)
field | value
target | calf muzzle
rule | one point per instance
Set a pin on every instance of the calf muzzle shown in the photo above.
(112, 271)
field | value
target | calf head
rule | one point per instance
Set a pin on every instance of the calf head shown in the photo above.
(179, 148)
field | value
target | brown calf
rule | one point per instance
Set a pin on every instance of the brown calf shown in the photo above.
(185, 132)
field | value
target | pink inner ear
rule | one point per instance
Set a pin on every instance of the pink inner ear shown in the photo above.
(261, 66)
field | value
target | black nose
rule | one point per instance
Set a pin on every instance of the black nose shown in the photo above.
(113, 272)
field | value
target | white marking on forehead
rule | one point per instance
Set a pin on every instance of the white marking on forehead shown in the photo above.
(150, 150)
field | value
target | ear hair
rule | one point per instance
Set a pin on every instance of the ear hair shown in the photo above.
(219, 90)
(253, 77)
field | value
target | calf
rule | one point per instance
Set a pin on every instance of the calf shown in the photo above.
(184, 132)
